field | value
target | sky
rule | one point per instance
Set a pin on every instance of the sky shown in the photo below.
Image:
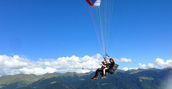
(51, 29)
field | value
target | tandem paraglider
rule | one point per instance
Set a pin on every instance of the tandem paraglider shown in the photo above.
(107, 67)
(101, 12)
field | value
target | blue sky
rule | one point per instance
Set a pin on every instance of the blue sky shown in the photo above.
(141, 29)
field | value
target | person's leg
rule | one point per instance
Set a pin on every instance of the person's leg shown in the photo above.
(97, 71)
(96, 74)
(107, 71)
(104, 71)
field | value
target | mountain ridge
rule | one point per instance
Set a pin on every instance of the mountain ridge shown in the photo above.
(132, 79)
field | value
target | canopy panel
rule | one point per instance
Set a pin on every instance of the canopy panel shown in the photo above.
(94, 3)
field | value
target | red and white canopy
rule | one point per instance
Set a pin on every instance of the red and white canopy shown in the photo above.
(94, 2)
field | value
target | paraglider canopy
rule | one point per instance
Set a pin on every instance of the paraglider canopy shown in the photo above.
(94, 2)
(101, 12)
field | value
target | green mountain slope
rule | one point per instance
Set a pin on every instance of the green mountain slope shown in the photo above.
(133, 79)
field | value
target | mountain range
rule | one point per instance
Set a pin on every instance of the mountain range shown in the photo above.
(132, 79)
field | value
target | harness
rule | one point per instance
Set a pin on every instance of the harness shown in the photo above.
(113, 69)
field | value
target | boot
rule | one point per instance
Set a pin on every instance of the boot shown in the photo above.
(95, 77)
(104, 76)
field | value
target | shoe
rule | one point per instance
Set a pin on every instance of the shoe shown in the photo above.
(103, 77)
(95, 78)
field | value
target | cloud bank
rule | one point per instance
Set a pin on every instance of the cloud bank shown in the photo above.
(11, 65)
(159, 63)
(124, 60)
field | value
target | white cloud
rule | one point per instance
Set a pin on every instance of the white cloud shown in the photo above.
(10, 65)
(159, 63)
(142, 66)
(151, 65)
(124, 60)
(37, 70)
(125, 68)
